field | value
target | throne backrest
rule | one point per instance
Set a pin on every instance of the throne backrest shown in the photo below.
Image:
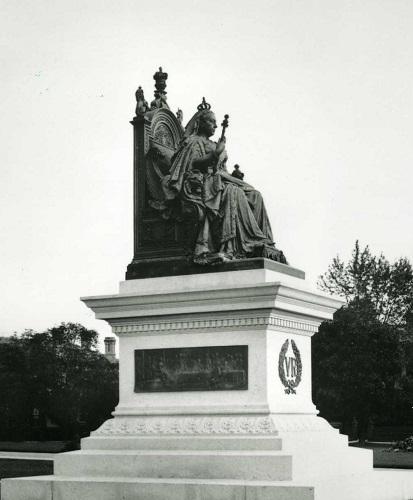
(164, 136)
(157, 135)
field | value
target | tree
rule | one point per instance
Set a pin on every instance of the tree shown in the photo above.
(356, 364)
(388, 287)
(64, 377)
(14, 407)
(362, 359)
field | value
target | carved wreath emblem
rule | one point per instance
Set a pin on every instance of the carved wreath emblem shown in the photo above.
(290, 369)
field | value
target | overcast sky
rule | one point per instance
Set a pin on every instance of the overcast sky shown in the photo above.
(320, 98)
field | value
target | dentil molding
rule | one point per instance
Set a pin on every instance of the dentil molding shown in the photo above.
(244, 322)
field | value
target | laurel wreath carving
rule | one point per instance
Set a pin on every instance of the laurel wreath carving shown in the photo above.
(210, 425)
(290, 385)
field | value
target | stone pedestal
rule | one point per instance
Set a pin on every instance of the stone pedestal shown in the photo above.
(259, 440)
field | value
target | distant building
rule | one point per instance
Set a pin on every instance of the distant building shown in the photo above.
(110, 353)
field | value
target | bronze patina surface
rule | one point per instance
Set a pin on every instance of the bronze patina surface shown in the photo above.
(192, 369)
(190, 213)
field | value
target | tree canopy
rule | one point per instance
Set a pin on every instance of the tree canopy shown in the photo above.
(388, 287)
(60, 374)
(362, 365)
(356, 370)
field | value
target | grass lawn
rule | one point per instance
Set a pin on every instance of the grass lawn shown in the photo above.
(21, 467)
(18, 467)
(389, 459)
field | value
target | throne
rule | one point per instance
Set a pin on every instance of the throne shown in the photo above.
(163, 239)
(165, 231)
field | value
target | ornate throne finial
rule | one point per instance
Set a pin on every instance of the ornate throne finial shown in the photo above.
(160, 81)
(160, 93)
(141, 105)
(204, 105)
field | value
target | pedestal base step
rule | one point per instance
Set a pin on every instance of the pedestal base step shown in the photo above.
(90, 488)
(182, 443)
(247, 465)
(376, 485)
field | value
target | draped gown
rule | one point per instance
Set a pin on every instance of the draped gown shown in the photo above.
(233, 219)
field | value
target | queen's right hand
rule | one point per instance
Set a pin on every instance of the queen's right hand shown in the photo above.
(220, 146)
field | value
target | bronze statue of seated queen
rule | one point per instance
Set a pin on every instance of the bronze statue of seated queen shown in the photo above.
(209, 216)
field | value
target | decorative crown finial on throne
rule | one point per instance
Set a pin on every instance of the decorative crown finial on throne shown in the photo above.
(160, 93)
(160, 81)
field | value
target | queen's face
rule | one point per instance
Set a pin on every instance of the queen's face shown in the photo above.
(208, 124)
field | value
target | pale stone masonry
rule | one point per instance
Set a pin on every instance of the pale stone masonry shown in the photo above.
(264, 442)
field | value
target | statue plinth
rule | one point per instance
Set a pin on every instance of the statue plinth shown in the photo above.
(215, 400)
(257, 308)
(177, 266)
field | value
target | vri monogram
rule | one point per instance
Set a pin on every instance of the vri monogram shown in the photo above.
(290, 367)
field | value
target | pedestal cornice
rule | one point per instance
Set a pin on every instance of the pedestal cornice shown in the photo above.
(272, 296)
